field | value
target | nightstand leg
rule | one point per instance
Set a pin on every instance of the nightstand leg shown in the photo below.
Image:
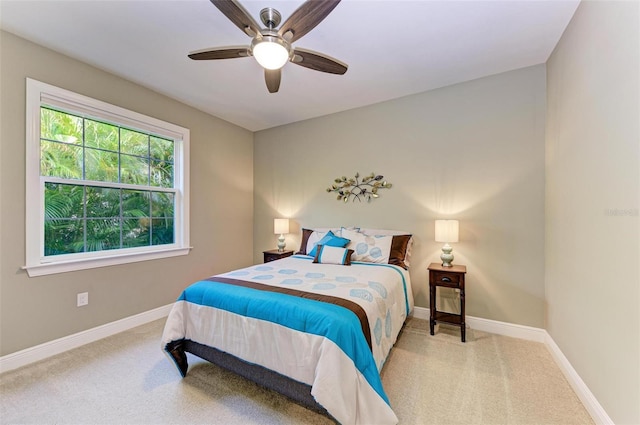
(432, 308)
(463, 325)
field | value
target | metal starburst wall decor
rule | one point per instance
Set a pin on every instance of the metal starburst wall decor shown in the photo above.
(355, 188)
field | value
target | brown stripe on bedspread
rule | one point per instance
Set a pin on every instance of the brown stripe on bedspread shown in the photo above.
(355, 308)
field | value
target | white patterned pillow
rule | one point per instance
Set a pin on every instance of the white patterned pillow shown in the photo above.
(333, 255)
(369, 249)
(401, 245)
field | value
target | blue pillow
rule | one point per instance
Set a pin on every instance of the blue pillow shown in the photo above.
(331, 240)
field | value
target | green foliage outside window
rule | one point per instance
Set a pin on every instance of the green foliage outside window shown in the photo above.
(87, 216)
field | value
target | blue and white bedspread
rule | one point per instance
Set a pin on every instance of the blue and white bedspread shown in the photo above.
(318, 343)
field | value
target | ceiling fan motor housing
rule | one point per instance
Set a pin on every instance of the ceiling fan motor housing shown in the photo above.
(270, 37)
(270, 17)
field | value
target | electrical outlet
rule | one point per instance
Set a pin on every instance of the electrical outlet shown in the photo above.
(83, 299)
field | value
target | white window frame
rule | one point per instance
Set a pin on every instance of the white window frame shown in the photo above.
(37, 264)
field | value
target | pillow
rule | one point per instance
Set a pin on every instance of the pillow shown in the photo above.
(399, 253)
(306, 233)
(369, 249)
(333, 255)
(383, 248)
(401, 233)
(331, 240)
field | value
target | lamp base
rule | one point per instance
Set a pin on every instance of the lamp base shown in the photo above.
(281, 243)
(446, 256)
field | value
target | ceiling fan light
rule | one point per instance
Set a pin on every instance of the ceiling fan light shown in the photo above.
(270, 54)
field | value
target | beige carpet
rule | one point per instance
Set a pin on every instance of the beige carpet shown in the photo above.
(126, 379)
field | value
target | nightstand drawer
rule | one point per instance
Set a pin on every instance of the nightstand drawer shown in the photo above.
(446, 279)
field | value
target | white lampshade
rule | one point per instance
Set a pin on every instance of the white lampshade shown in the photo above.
(280, 226)
(270, 54)
(446, 230)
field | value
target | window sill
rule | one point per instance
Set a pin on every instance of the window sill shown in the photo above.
(92, 263)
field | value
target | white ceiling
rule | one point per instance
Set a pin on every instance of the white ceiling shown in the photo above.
(393, 48)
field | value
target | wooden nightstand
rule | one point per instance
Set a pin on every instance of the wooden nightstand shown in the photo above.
(274, 254)
(448, 277)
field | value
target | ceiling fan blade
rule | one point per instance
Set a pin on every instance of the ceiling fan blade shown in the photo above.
(236, 14)
(318, 61)
(220, 53)
(272, 78)
(306, 17)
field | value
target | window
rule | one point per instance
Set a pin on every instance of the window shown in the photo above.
(104, 185)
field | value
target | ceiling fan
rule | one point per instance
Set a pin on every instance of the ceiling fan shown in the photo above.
(271, 46)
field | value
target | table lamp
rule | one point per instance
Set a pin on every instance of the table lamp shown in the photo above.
(281, 226)
(446, 231)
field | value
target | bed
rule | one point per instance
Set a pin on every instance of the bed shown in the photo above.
(316, 326)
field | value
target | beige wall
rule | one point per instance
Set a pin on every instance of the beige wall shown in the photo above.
(473, 151)
(36, 310)
(592, 201)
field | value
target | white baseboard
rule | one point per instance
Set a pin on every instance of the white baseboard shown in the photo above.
(598, 414)
(493, 326)
(57, 346)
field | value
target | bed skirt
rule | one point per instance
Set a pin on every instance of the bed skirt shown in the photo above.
(296, 391)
